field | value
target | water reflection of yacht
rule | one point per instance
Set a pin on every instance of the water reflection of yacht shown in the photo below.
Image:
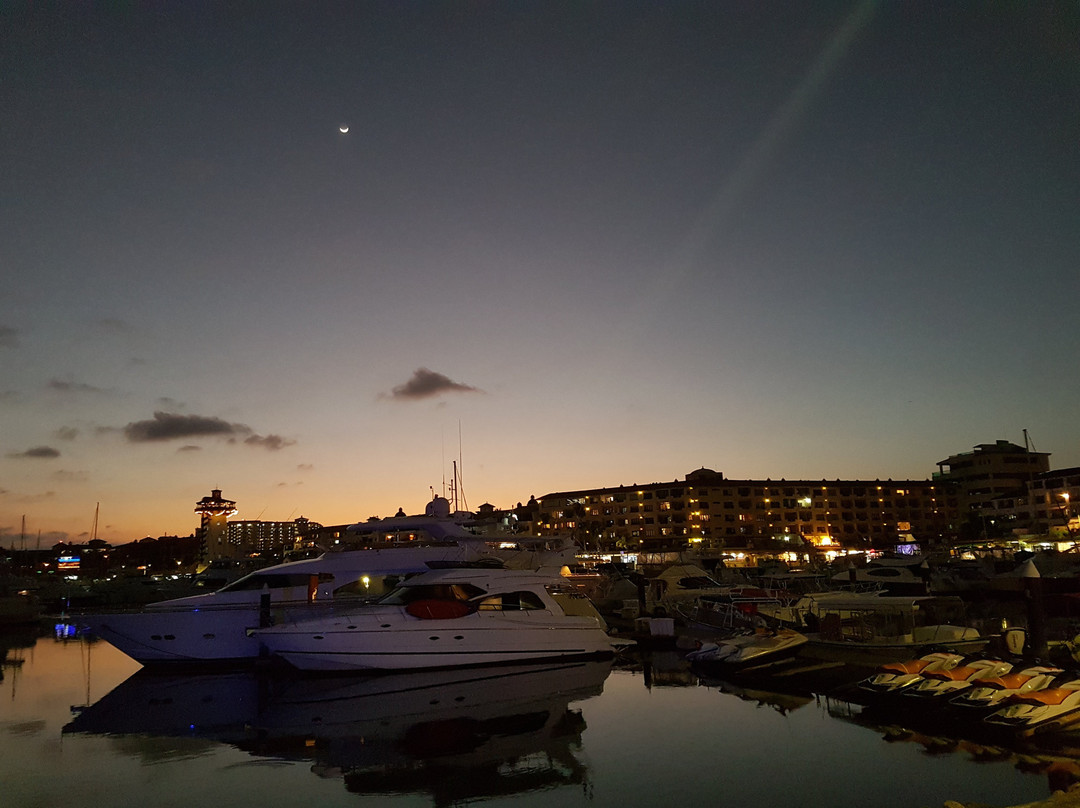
(454, 734)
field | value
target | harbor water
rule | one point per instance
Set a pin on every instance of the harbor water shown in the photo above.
(82, 725)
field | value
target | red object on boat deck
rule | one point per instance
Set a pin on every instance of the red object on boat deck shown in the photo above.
(438, 609)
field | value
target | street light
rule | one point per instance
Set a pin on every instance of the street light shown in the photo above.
(1068, 516)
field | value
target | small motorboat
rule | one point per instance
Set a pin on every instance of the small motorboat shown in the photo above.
(1040, 710)
(942, 684)
(893, 677)
(989, 693)
(448, 618)
(758, 647)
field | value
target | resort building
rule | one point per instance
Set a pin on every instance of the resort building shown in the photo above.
(800, 517)
(268, 539)
(221, 539)
(991, 471)
(1046, 506)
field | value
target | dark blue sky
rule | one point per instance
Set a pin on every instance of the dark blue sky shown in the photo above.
(622, 240)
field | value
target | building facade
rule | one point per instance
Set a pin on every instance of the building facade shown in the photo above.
(1047, 505)
(991, 471)
(800, 516)
(268, 539)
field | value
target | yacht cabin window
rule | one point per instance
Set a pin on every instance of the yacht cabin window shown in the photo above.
(404, 595)
(258, 581)
(512, 600)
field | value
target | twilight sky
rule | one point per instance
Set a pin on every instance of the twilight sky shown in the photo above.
(584, 243)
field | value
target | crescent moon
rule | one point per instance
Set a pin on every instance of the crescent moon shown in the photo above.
(343, 129)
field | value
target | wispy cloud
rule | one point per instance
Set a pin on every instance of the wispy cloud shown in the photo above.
(114, 325)
(167, 426)
(46, 539)
(271, 442)
(66, 433)
(428, 384)
(62, 386)
(70, 476)
(37, 453)
(9, 337)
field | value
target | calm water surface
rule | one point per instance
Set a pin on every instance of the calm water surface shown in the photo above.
(80, 725)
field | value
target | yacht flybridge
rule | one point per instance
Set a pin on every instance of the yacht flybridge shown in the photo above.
(213, 627)
(448, 618)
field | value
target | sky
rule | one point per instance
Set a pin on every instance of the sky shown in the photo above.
(312, 254)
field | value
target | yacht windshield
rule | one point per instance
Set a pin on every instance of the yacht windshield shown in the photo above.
(258, 580)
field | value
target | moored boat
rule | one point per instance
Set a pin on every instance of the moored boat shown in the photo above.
(1040, 711)
(887, 628)
(946, 683)
(893, 677)
(213, 627)
(448, 618)
(993, 692)
(763, 646)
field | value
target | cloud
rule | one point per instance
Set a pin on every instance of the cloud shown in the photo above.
(271, 442)
(305, 467)
(47, 539)
(166, 426)
(70, 476)
(171, 426)
(37, 452)
(66, 433)
(113, 325)
(31, 499)
(62, 386)
(9, 337)
(428, 384)
(190, 448)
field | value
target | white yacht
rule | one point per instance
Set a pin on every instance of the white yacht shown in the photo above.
(448, 618)
(213, 627)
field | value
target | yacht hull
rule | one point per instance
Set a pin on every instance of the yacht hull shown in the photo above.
(209, 634)
(391, 640)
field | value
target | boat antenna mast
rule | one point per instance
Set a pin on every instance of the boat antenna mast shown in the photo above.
(458, 490)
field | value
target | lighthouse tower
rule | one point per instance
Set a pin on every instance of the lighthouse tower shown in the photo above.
(214, 528)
